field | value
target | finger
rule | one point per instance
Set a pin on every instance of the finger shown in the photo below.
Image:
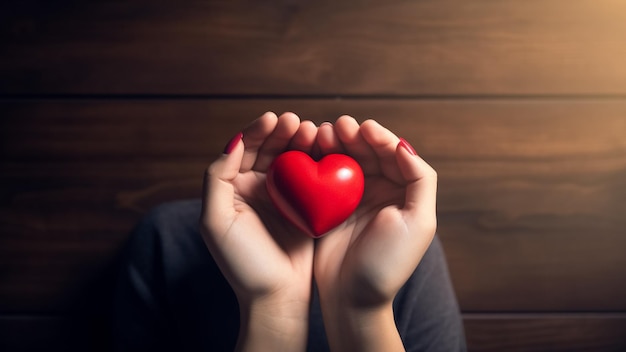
(347, 129)
(278, 141)
(254, 135)
(218, 210)
(327, 140)
(304, 139)
(420, 205)
(384, 144)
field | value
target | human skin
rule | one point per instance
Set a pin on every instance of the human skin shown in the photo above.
(267, 261)
(358, 267)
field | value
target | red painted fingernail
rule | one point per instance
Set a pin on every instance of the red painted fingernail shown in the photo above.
(233, 143)
(404, 144)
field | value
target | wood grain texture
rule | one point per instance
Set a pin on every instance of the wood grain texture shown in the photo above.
(108, 108)
(571, 333)
(451, 47)
(531, 194)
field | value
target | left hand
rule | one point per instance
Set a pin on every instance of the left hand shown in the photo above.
(361, 265)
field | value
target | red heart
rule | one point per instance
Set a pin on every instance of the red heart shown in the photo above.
(315, 196)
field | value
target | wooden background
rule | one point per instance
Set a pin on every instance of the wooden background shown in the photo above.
(111, 107)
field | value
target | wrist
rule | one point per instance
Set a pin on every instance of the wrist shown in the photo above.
(273, 323)
(352, 327)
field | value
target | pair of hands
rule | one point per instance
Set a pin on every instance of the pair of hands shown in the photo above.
(358, 267)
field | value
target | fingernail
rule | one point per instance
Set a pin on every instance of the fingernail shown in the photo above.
(233, 143)
(404, 144)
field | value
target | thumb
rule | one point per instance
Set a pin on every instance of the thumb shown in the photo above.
(218, 210)
(420, 205)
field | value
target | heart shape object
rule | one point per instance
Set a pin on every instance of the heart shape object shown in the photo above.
(316, 196)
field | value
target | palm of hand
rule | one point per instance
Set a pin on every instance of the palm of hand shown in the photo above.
(361, 259)
(270, 256)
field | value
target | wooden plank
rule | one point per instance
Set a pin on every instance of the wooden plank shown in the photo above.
(510, 129)
(545, 332)
(497, 332)
(531, 197)
(456, 47)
